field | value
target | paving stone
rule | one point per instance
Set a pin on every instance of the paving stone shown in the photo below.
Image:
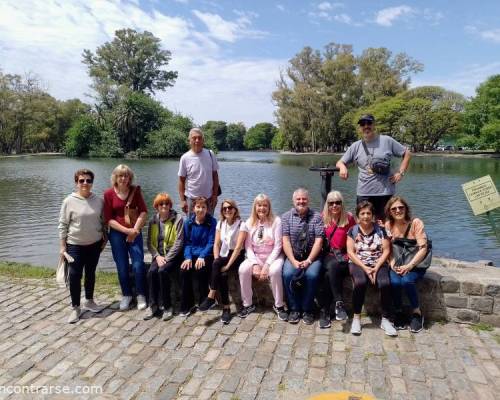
(476, 375)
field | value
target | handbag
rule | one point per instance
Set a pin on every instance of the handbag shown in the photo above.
(131, 214)
(219, 190)
(379, 165)
(62, 269)
(404, 250)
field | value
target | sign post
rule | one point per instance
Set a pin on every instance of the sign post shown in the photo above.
(483, 197)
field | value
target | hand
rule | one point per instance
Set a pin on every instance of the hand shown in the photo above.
(213, 200)
(396, 177)
(62, 250)
(200, 263)
(225, 268)
(296, 264)
(160, 260)
(343, 173)
(187, 264)
(264, 273)
(404, 269)
(256, 270)
(184, 206)
(372, 275)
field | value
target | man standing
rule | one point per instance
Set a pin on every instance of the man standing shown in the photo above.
(198, 176)
(372, 154)
(302, 240)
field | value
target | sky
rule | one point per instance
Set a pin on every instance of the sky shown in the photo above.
(229, 54)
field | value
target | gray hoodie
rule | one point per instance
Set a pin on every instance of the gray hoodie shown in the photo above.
(80, 219)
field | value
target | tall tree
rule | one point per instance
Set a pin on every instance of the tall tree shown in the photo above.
(260, 136)
(134, 60)
(235, 135)
(218, 131)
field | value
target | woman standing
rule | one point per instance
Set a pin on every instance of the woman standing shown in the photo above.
(82, 236)
(369, 249)
(125, 212)
(335, 263)
(264, 258)
(400, 224)
(165, 239)
(199, 237)
(227, 255)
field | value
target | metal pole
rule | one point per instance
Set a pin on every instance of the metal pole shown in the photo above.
(326, 174)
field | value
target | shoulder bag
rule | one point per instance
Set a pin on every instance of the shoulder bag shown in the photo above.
(404, 250)
(219, 190)
(131, 214)
(379, 165)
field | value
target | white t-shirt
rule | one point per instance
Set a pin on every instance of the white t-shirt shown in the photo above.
(197, 168)
(228, 236)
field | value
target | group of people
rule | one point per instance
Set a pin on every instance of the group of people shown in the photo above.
(304, 255)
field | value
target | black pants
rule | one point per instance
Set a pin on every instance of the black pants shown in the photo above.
(378, 202)
(218, 280)
(159, 283)
(86, 258)
(333, 281)
(360, 281)
(187, 276)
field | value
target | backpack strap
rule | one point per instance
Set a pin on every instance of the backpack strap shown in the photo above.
(407, 231)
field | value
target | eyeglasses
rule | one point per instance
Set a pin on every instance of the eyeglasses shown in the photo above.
(82, 181)
(397, 208)
(335, 203)
(163, 203)
(365, 123)
(260, 232)
(227, 208)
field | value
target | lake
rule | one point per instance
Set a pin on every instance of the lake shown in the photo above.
(33, 187)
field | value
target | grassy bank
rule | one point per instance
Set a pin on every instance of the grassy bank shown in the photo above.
(106, 282)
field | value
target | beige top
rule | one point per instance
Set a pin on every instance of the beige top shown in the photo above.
(416, 232)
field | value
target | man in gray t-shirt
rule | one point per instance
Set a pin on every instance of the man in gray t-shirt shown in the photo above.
(372, 186)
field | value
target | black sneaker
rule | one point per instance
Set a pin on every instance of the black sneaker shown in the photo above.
(226, 316)
(324, 319)
(281, 313)
(294, 317)
(244, 311)
(207, 304)
(416, 323)
(400, 321)
(308, 318)
(340, 312)
(187, 313)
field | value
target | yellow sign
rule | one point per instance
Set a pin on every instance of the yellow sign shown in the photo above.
(482, 195)
(342, 396)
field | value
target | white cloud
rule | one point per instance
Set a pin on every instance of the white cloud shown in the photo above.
(324, 11)
(48, 38)
(344, 18)
(280, 7)
(465, 81)
(434, 17)
(387, 16)
(488, 34)
(229, 31)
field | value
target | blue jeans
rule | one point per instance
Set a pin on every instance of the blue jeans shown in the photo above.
(408, 283)
(304, 300)
(121, 250)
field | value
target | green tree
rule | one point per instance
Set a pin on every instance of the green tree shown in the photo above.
(218, 131)
(235, 136)
(134, 60)
(260, 136)
(278, 142)
(82, 136)
(171, 140)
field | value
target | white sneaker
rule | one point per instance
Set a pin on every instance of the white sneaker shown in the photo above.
(125, 303)
(91, 306)
(75, 315)
(356, 326)
(167, 314)
(388, 327)
(141, 302)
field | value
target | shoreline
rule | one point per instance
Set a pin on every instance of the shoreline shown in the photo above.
(419, 154)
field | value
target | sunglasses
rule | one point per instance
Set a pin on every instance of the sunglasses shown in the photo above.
(397, 208)
(260, 232)
(335, 202)
(227, 208)
(164, 203)
(365, 123)
(82, 181)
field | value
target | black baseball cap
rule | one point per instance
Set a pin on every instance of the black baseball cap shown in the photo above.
(366, 117)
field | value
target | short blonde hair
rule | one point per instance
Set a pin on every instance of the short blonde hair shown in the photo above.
(162, 198)
(121, 169)
(253, 217)
(335, 195)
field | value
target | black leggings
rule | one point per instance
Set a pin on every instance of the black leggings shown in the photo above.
(333, 281)
(187, 276)
(218, 280)
(360, 281)
(159, 283)
(86, 258)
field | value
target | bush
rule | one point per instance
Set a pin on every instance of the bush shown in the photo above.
(166, 142)
(82, 135)
(108, 146)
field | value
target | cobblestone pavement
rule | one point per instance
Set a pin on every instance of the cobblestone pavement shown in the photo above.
(256, 358)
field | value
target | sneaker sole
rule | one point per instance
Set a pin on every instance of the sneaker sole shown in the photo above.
(294, 322)
(167, 318)
(325, 327)
(389, 334)
(341, 319)
(420, 330)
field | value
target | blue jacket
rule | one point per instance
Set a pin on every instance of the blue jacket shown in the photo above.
(199, 239)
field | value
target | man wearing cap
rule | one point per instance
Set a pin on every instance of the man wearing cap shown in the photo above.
(372, 154)
(302, 240)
